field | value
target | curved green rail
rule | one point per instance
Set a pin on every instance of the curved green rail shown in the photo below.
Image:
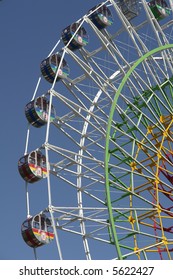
(113, 107)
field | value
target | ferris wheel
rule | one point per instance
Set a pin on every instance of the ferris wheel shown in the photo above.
(100, 136)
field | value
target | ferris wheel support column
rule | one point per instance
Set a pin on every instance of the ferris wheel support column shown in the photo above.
(56, 234)
(81, 214)
(46, 151)
(26, 184)
(35, 253)
(171, 4)
(48, 178)
(27, 200)
(79, 179)
(36, 88)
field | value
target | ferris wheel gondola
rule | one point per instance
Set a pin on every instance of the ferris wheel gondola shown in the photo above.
(75, 35)
(101, 16)
(130, 8)
(159, 9)
(37, 111)
(51, 65)
(37, 231)
(32, 166)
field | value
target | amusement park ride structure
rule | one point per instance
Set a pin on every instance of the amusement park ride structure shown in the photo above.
(108, 119)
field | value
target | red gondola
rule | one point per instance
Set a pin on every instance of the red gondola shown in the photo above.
(37, 231)
(32, 167)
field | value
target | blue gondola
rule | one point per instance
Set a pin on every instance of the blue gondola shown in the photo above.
(159, 9)
(37, 111)
(102, 17)
(32, 167)
(77, 39)
(50, 65)
(37, 231)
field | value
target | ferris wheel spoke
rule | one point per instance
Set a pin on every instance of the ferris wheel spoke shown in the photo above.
(77, 109)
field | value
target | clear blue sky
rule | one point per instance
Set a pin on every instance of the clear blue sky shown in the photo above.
(28, 31)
